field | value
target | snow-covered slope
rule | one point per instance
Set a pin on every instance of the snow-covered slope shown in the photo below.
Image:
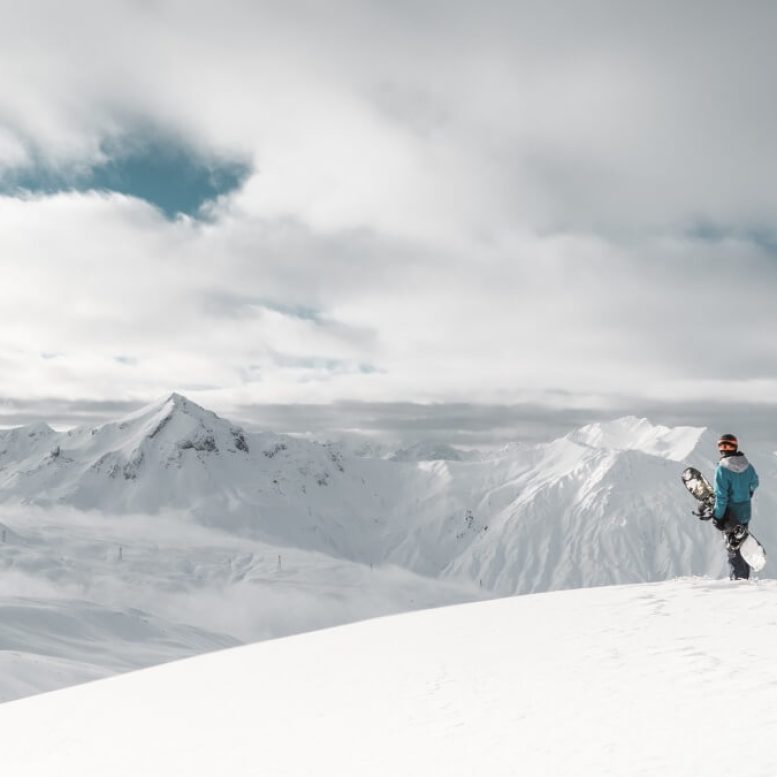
(55, 642)
(87, 595)
(665, 679)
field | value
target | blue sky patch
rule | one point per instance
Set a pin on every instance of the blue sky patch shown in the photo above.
(166, 172)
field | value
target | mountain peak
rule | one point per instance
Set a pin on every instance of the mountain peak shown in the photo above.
(174, 421)
(182, 403)
(172, 405)
(185, 413)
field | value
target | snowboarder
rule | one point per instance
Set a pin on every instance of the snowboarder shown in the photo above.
(735, 483)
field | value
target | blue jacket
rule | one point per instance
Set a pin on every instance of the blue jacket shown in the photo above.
(735, 482)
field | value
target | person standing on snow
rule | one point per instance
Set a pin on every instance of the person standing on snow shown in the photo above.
(735, 483)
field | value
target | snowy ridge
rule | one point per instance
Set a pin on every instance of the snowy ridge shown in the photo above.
(631, 433)
(616, 682)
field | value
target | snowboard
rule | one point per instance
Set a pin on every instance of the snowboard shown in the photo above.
(750, 548)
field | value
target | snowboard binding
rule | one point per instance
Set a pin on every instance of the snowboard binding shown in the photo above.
(705, 511)
(736, 537)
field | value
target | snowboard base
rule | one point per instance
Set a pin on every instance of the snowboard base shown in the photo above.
(753, 553)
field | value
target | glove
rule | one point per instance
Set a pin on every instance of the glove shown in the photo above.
(720, 523)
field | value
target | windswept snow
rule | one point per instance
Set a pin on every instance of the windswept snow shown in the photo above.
(676, 678)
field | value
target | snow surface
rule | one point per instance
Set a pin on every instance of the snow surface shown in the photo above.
(676, 678)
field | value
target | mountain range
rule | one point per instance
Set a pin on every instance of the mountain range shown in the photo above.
(601, 505)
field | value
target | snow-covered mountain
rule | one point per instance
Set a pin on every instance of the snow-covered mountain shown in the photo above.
(173, 531)
(171, 454)
(602, 505)
(631, 681)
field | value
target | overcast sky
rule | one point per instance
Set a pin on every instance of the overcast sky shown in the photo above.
(560, 210)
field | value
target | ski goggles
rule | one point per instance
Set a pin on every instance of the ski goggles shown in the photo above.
(726, 445)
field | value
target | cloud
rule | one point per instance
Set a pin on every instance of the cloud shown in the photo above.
(485, 425)
(424, 121)
(285, 315)
(526, 204)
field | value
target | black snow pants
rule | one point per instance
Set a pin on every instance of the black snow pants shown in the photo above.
(739, 568)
